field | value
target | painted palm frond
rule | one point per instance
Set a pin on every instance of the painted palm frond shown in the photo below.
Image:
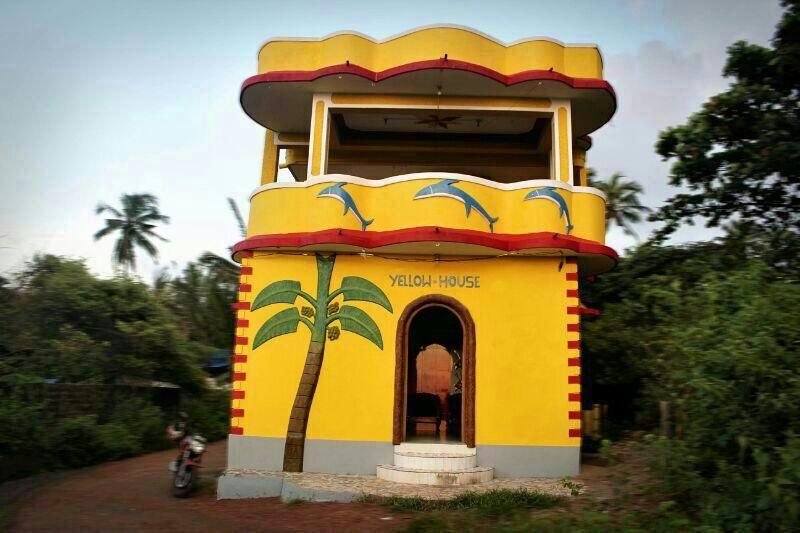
(356, 289)
(356, 321)
(283, 322)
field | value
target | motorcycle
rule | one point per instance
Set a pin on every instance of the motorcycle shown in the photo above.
(184, 468)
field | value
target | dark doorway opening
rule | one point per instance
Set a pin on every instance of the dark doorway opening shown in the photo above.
(434, 387)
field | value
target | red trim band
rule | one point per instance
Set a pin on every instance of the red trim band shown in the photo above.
(575, 433)
(240, 358)
(236, 430)
(242, 322)
(239, 376)
(245, 287)
(573, 345)
(574, 396)
(575, 328)
(247, 254)
(572, 276)
(246, 271)
(574, 380)
(582, 311)
(507, 242)
(237, 395)
(574, 361)
(573, 293)
(237, 413)
(574, 415)
(438, 64)
(240, 306)
(241, 341)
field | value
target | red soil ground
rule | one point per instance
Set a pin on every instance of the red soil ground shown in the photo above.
(134, 495)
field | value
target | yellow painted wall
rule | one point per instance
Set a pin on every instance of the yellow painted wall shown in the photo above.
(520, 317)
(297, 209)
(427, 44)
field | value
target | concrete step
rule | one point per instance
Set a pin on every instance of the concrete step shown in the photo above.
(417, 476)
(433, 447)
(439, 462)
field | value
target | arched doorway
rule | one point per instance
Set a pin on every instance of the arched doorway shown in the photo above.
(429, 326)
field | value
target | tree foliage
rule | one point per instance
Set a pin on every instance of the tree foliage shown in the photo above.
(738, 158)
(623, 206)
(134, 225)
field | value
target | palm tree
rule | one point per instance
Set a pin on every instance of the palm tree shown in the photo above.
(134, 224)
(622, 201)
(318, 319)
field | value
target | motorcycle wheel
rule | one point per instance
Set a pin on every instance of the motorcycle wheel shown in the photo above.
(182, 482)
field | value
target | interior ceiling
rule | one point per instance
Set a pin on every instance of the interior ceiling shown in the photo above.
(442, 120)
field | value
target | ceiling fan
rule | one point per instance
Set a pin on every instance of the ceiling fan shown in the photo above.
(435, 121)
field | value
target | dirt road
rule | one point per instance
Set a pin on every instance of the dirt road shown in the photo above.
(134, 495)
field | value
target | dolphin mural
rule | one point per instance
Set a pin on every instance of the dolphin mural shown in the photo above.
(337, 192)
(445, 189)
(549, 193)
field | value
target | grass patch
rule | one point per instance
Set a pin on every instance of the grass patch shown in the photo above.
(492, 503)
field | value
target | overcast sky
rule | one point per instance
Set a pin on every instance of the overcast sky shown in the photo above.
(103, 98)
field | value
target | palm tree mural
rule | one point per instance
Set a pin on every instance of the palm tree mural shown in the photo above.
(622, 201)
(319, 317)
(134, 224)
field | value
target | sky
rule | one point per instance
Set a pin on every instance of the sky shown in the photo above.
(98, 99)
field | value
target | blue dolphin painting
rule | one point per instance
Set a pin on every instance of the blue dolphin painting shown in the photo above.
(337, 192)
(549, 193)
(445, 189)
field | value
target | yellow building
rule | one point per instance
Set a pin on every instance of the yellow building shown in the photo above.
(409, 304)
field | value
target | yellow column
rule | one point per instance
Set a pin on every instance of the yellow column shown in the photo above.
(564, 138)
(269, 167)
(318, 140)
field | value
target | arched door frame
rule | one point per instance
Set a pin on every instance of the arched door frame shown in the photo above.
(467, 362)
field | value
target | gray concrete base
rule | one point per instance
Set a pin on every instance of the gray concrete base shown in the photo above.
(531, 461)
(235, 486)
(323, 456)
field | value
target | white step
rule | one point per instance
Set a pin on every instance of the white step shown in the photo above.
(416, 476)
(439, 462)
(433, 447)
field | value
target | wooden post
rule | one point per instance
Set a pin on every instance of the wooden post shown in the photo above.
(666, 423)
(596, 419)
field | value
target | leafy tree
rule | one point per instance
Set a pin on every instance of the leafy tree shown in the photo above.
(134, 225)
(623, 206)
(318, 319)
(738, 158)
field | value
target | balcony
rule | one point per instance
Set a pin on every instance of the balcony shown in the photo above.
(431, 213)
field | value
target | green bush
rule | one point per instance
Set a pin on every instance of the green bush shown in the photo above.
(116, 441)
(75, 442)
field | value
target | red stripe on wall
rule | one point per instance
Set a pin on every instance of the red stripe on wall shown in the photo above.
(574, 361)
(236, 430)
(246, 253)
(237, 413)
(242, 323)
(573, 345)
(572, 276)
(570, 327)
(571, 261)
(240, 358)
(573, 311)
(574, 396)
(237, 395)
(246, 271)
(241, 341)
(575, 433)
(574, 380)
(245, 287)
(239, 376)
(572, 293)
(240, 306)
(574, 415)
